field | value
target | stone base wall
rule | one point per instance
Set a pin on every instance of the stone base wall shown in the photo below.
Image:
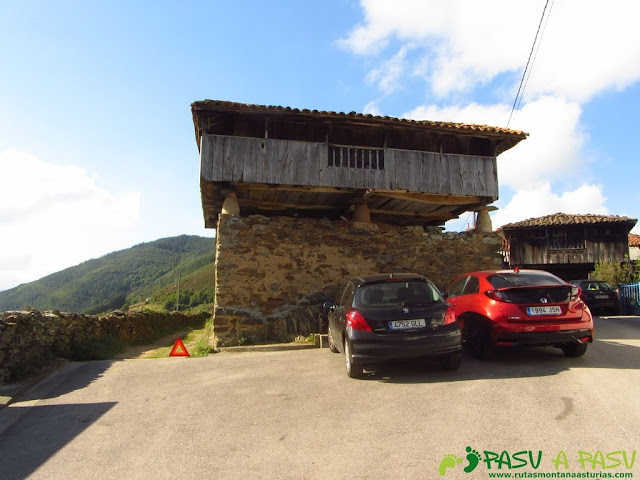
(273, 273)
(29, 335)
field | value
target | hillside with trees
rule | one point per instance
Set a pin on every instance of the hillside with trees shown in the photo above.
(146, 273)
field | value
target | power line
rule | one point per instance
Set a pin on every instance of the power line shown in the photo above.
(527, 71)
(535, 55)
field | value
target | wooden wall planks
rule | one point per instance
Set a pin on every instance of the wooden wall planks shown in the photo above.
(284, 162)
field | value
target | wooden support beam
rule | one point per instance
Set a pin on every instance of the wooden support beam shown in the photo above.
(244, 202)
(431, 198)
(426, 216)
(242, 187)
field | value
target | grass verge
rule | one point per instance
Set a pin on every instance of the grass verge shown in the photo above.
(195, 341)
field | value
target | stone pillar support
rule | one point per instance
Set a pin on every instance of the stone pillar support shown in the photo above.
(483, 222)
(361, 213)
(230, 205)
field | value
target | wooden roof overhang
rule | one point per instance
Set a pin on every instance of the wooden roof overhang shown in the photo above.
(429, 172)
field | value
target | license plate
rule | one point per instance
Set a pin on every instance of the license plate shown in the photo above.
(601, 297)
(407, 324)
(550, 310)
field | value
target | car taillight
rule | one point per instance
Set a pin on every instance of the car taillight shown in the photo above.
(497, 295)
(576, 292)
(449, 316)
(357, 321)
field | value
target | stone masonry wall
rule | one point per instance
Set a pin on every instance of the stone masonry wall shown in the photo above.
(26, 336)
(273, 273)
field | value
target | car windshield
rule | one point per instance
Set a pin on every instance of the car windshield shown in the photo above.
(523, 279)
(397, 293)
(597, 286)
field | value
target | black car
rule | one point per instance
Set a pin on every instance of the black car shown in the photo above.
(392, 316)
(599, 296)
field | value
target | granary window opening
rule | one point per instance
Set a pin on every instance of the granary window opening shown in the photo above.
(566, 240)
(356, 157)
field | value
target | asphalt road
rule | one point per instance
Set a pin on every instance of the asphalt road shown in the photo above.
(296, 415)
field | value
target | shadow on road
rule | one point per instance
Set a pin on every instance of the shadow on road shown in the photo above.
(74, 376)
(44, 430)
(32, 430)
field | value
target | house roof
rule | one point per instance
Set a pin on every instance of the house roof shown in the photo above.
(634, 240)
(505, 138)
(558, 219)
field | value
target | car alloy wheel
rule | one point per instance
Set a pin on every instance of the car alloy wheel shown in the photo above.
(353, 371)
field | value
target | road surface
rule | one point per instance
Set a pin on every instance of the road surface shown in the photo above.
(296, 415)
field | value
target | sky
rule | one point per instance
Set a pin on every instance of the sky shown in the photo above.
(97, 146)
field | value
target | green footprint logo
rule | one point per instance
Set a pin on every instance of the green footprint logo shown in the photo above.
(449, 461)
(473, 457)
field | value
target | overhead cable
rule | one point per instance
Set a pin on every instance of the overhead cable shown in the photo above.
(527, 71)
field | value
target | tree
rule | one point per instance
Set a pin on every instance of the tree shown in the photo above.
(617, 273)
(185, 298)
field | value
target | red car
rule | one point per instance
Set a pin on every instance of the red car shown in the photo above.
(509, 308)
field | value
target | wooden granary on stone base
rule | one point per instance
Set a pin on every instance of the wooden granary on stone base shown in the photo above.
(303, 199)
(284, 161)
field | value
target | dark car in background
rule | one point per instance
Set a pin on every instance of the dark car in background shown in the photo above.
(511, 308)
(383, 317)
(599, 296)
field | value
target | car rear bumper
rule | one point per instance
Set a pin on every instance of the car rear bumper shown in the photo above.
(602, 304)
(368, 347)
(560, 337)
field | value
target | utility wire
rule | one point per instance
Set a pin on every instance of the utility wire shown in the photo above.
(535, 55)
(526, 68)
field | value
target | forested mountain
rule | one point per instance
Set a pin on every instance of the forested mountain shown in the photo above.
(129, 276)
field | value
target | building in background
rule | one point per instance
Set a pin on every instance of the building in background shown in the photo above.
(568, 245)
(634, 247)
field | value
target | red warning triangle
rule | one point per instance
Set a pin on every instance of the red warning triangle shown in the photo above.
(179, 350)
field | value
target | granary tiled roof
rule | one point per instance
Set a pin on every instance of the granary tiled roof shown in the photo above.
(634, 240)
(568, 219)
(513, 136)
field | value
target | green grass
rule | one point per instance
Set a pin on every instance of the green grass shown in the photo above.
(196, 342)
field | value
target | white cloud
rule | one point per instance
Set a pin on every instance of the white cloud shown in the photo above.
(553, 148)
(468, 43)
(588, 47)
(54, 216)
(372, 108)
(389, 75)
(538, 200)
(462, 50)
(471, 113)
